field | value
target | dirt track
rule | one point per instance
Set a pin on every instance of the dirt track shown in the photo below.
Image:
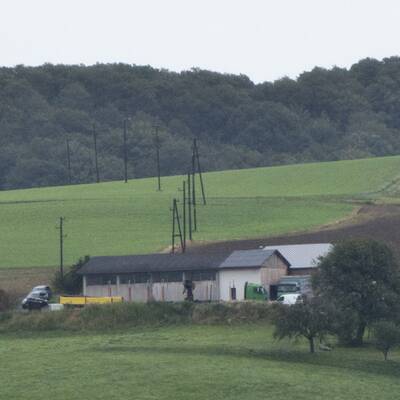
(380, 222)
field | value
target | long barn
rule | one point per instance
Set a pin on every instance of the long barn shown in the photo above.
(161, 277)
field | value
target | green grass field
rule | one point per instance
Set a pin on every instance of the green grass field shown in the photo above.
(116, 218)
(188, 363)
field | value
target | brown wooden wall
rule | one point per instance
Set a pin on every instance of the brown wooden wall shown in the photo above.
(273, 270)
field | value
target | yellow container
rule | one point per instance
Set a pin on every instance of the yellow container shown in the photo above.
(82, 300)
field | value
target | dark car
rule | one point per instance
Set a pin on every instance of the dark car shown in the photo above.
(35, 301)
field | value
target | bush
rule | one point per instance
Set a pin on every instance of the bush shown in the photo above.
(387, 336)
(7, 300)
(71, 282)
(127, 315)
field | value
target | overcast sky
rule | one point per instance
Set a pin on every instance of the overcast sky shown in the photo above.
(265, 40)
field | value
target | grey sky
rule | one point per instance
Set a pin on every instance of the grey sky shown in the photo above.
(262, 39)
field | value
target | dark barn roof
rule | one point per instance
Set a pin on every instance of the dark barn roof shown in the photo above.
(250, 258)
(152, 263)
(177, 262)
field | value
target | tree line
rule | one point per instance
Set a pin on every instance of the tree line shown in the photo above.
(324, 114)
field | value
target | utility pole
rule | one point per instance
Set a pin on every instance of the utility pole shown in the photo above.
(61, 231)
(196, 154)
(125, 152)
(69, 162)
(95, 153)
(194, 192)
(184, 216)
(189, 206)
(157, 145)
(176, 224)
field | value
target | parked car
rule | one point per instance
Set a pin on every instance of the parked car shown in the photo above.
(290, 298)
(42, 294)
(43, 288)
(34, 302)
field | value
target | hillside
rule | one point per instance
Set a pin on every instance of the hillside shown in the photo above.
(117, 218)
(323, 115)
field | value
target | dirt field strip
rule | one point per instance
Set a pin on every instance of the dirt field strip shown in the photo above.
(379, 222)
(20, 280)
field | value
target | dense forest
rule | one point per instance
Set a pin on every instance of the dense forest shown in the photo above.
(322, 115)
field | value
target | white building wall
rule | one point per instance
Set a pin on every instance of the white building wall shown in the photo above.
(168, 291)
(205, 290)
(134, 292)
(101, 290)
(237, 278)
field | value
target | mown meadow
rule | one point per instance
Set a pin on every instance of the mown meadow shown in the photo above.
(189, 362)
(116, 218)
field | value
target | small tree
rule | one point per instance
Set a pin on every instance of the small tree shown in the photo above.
(310, 319)
(387, 336)
(71, 282)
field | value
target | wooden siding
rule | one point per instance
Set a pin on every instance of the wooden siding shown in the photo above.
(273, 270)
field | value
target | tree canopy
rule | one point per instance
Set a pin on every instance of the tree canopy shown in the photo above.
(361, 279)
(323, 115)
(311, 319)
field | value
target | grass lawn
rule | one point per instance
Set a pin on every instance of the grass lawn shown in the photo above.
(189, 362)
(116, 218)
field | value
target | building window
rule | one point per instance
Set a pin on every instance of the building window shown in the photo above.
(93, 280)
(175, 277)
(202, 275)
(169, 276)
(138, 277)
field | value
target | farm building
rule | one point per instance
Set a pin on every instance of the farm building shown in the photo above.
(262, 267)
(303, 258)
(160, 277)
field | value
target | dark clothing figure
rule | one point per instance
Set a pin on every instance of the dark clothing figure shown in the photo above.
(188, 287)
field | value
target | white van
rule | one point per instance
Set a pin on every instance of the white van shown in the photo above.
(290, 298)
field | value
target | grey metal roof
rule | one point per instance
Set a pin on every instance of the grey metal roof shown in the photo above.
(302, 255)
(152, 263)
(250, 258)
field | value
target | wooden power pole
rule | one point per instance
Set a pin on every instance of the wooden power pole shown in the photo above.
(61, 233)
(96, 163)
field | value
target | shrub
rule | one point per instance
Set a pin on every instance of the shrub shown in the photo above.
(126, 315)
(387, 336)
(7, 300)
(71, 282)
